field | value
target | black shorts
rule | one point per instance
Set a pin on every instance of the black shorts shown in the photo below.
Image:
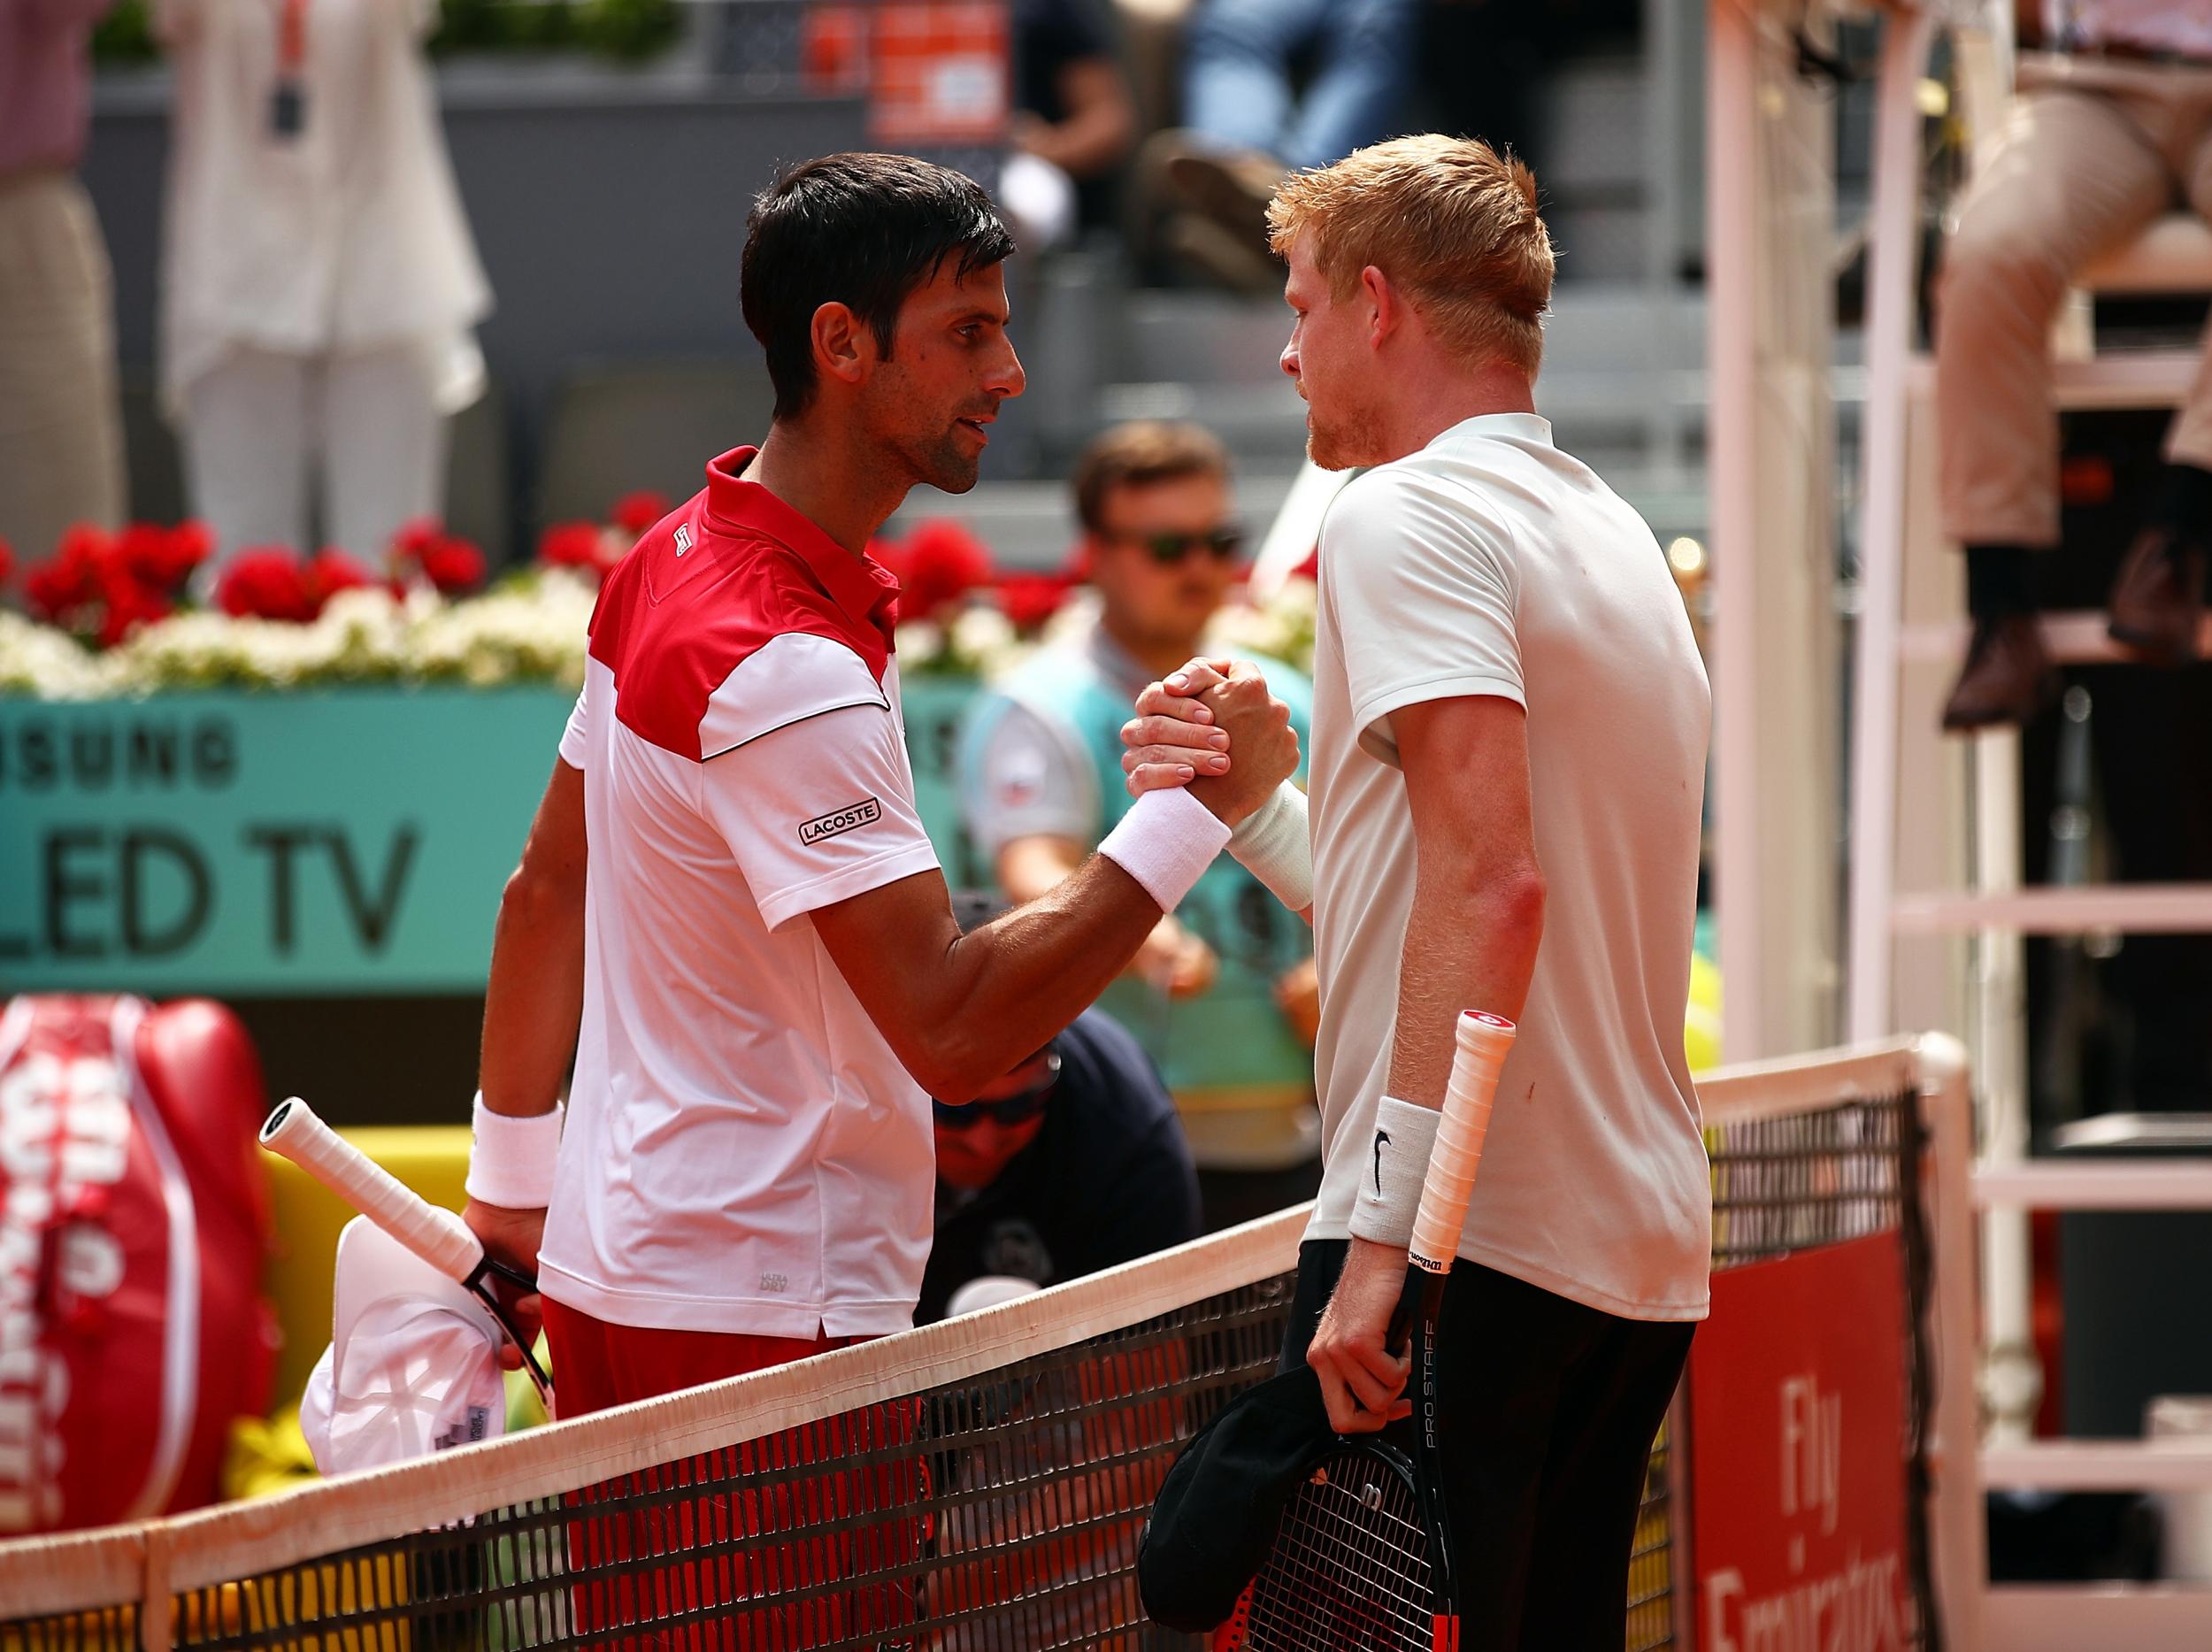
(1550, 1409)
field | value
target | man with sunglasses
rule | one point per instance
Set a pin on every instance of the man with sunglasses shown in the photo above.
(1073, 1162)
(1222, 995)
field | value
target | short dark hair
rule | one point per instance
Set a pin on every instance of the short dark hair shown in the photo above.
(861, 230)
(1143, 451)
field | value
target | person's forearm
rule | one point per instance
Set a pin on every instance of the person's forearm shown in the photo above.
(1008, 987)
(1086, 144)
(1100, 125)
(1471, 944)
(534, 1000)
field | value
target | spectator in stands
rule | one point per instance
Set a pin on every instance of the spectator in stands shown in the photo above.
(1074, 121)
(61, 442)
(1223, 995)
(1249, 123)
(2110, 128)
(320, 283)
(1073, 1161)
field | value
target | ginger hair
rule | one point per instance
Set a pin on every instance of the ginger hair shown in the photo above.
(1451, 221)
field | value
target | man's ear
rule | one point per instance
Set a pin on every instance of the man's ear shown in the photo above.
(844, 345)
(1385, 305)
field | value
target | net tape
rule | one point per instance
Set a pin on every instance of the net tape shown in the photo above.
(968, 1488)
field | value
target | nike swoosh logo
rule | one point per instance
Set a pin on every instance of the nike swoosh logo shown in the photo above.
(1381, 1136)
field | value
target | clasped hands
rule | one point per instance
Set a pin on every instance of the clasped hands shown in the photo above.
(1188, 724)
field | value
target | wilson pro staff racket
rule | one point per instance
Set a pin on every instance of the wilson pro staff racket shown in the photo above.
(1362, 1561)
(438, 1237)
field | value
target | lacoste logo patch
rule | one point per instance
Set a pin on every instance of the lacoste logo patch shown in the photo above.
(867, 811)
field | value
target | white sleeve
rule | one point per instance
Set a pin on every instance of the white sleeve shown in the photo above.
(574, 745)
(818, 810)
(1020, 779)
(1426, 591)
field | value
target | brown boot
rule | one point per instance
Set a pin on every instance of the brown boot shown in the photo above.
(2007, 678)
(1232, 187)
(2158, 601)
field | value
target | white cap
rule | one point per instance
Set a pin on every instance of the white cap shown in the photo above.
(413, 1363)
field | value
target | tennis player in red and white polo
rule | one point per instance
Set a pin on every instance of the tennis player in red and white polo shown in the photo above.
(727, 908)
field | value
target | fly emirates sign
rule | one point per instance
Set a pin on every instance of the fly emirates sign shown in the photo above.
(1800, 1454)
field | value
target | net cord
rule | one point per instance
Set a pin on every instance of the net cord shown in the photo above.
(79, 1572)
(119, 1566)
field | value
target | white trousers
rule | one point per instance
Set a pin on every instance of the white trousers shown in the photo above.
(61, 438)
(265, 432)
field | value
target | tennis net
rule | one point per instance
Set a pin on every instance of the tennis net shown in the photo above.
(972, 1486)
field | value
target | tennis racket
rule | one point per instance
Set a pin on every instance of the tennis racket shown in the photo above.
(1362, 1561)
(438, 1237)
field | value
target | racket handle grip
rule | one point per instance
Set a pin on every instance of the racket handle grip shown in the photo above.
(438, 1237)
(1483, 1042)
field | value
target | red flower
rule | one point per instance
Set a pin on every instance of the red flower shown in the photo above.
(71, 588)
(330, 571)
(1030, 599)
(584, 546)
(266, 583)
(453, 566)
(7, 561)
(943, 562)
(130, 605)
(570, 545)
(102, 585)
(447, 562)
(46, 591)
(191, 543)
(415, 537)
(162, 558)
(636, 512)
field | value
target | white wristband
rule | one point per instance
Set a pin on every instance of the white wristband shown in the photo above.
(511, 1157)
(1397, 1163)
(1276, 847)
(1166, 841)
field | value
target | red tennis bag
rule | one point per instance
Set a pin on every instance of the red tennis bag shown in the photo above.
(134, 1222)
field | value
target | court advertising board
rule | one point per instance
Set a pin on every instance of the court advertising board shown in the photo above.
(1799, 1484)
(262, 844)
(309, 843)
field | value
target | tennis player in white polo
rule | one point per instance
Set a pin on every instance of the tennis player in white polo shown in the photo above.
(727, 908)
(1509, 754)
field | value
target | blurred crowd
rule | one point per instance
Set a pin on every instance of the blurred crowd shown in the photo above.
(320, 287)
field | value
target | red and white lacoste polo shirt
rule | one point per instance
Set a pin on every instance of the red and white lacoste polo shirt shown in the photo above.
(743, 1151)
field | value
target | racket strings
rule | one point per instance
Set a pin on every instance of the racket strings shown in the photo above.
(1349, 1569)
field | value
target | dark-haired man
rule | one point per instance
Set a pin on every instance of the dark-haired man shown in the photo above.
(1073, 1161)
(763, 961)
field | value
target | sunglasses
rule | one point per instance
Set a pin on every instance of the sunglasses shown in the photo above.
(1008, 1111)
(1223, 544)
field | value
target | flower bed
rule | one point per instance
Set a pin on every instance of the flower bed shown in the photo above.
(115, 613)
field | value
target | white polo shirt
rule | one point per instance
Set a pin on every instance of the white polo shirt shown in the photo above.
(743, 1152)
(1492, 564)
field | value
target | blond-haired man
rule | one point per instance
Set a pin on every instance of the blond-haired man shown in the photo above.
(1509, 732)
